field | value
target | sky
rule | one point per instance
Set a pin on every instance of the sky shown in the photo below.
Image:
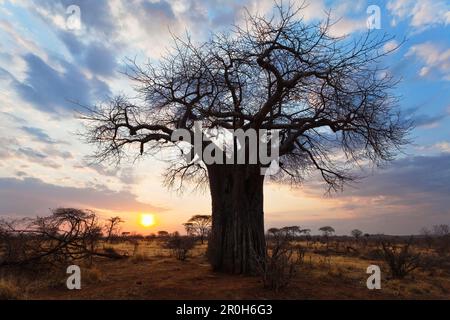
(48, 62)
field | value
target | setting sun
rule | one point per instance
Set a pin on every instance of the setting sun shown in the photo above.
(147, 220)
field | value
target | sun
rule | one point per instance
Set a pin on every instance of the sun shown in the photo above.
(147, 220)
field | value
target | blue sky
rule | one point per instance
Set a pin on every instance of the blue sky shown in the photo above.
(45, 66)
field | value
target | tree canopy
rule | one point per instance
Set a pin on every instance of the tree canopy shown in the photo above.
(329, 96)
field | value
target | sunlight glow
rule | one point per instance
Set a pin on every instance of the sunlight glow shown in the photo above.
(147, 220)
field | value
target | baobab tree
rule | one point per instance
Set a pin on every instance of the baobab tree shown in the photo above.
(327, 96)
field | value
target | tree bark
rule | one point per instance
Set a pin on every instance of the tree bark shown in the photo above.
(237, 236)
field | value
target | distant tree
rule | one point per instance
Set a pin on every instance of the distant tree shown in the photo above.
(306, 231)
(200, 226)
(163, 234)
(112, 227)
(356, 233)
(189, 227)
(427, 235)
(327, 231)
(273, 231)
(150, 237)
(293, 231)
(175, 234)
(441, 230)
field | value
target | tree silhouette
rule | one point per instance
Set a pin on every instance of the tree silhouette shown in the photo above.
(327, 96)
(112, 227)
(356, 233)
(199, 225)
(327, 231)
(163, 234)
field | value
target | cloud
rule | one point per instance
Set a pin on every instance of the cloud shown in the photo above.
(427, 121)
(161, 7)
(13, 149)
(36, 157)
(435, 60)
(98, 57)
(346, 26)
(100, 60)
(421, 14)
(38, 134)
(19, 40)
(390, 46)
(443, 146)
(411, 176)
(52, 91)
(96, 15)
(11, 117)
(403, 197)
(29, 197)
(422, 120)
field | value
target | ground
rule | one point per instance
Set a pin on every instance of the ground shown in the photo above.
(154, 274)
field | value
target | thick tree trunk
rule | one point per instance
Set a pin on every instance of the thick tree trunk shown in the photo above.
(237, 235)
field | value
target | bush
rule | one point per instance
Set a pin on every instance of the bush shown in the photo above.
(138, 258)
(280, 263)
(112, 252)
(373, 254)
(180, 246)
(400, 259)
(65, 236)
(9, 291)
(443, 245)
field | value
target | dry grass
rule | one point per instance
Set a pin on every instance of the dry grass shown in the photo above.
(9, 290)
(91, 275)
(153, 274)
(139, 258)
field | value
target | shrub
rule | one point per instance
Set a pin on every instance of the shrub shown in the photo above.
(66, 235)
(111, 251)
(9, 291)
(400, 259)
(180, 246)
(280, 263)
(443, 245)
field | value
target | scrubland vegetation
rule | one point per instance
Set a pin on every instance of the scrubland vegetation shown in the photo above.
(35, 254)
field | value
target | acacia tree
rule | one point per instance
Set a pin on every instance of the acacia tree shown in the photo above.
(112, 227)
(356, 233)
(199, 225)
(327, 96)
(327, 231)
